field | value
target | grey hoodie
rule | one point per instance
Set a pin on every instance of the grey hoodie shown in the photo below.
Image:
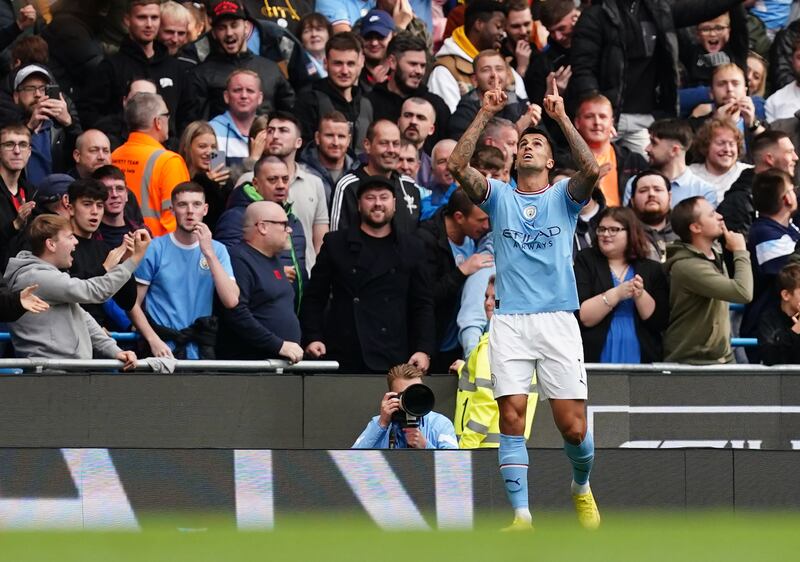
(65, 330)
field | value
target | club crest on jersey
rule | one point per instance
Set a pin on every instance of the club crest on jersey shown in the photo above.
(529, 212)
(204, 264)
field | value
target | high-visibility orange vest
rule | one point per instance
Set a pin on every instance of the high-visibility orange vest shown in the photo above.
(151, 172)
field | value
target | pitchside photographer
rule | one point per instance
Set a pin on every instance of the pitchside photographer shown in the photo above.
(406, 418)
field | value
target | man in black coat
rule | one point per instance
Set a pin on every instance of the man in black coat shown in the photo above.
(450, 238)
(406, 57)
(94, 258)
(338, 92)
(140, 56)
(228, 43)
(628, 51)
(771, 149)
(381, 310)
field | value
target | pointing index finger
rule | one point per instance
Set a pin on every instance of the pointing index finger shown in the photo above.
(555, 86)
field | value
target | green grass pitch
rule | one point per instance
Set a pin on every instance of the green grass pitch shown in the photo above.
(707, 537)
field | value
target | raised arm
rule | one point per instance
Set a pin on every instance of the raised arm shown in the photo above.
(471, 180)
(581, 184)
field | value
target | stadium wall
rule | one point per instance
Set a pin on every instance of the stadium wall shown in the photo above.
(131, 489)
(755, 409)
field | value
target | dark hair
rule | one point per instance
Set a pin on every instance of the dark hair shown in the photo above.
(487, 157)
(373, 127)
(638, 246)
(88, 189)
(286, 116)
(108, 171)
(18, 128)
(646, 173)
(43, 228)
(537, 131)
(789, 277)
(673, 129)
(683, 215)
(459, 202)
(517, 5)
(344, 41)
(481, 10)
(405, 41)
(702, 141)
(766, 141)
(553, 11)
(335, 117)
(30, 50)
(314, 19)
(768, 190)
(186, 187)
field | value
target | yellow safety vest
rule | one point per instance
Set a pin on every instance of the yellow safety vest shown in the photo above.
(477, 419)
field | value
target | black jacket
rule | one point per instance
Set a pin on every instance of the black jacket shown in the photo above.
(737, 206)
(593, 276)
(8, 234)
(468, 108)
(448, 281)
(10, 307)
(387, 105)
(777, 344)
(344, 205)
(698, 65)
(780, 57)
(380, 313)
(598, 48)
(207, 84)
(87, 262)
(73, 50)
(321, 98)
(110, 82)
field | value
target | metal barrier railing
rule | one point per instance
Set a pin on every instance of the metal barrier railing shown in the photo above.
(182, 366)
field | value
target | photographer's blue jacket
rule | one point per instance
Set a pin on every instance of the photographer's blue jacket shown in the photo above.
(438, 431)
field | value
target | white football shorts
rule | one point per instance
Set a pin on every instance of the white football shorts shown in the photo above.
(548, 343)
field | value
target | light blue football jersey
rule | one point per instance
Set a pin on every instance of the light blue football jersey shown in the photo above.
(181, 288)
(532, 234)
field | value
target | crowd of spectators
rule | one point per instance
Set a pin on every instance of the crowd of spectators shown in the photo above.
(290, 162)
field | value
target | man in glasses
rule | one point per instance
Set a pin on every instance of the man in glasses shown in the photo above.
(47, 116)
(151, 171)
(263, 325)
(16, 194)
(270, 183)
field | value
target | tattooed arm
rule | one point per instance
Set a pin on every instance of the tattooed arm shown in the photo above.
(581, 184)
(471, 180)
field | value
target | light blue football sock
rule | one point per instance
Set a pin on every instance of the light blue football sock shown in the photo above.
(513, 456)
(582, 458)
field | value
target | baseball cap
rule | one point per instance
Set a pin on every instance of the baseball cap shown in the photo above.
(221, 9)
(27, 71)
(374, 182)
(377, 21)
(52, 187)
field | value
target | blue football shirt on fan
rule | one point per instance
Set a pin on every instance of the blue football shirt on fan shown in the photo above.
(181, 288)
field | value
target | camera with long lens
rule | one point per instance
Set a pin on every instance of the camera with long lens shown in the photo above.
(416, 401)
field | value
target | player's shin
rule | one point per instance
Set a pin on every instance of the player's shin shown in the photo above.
(513, 457)
(582, 458)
